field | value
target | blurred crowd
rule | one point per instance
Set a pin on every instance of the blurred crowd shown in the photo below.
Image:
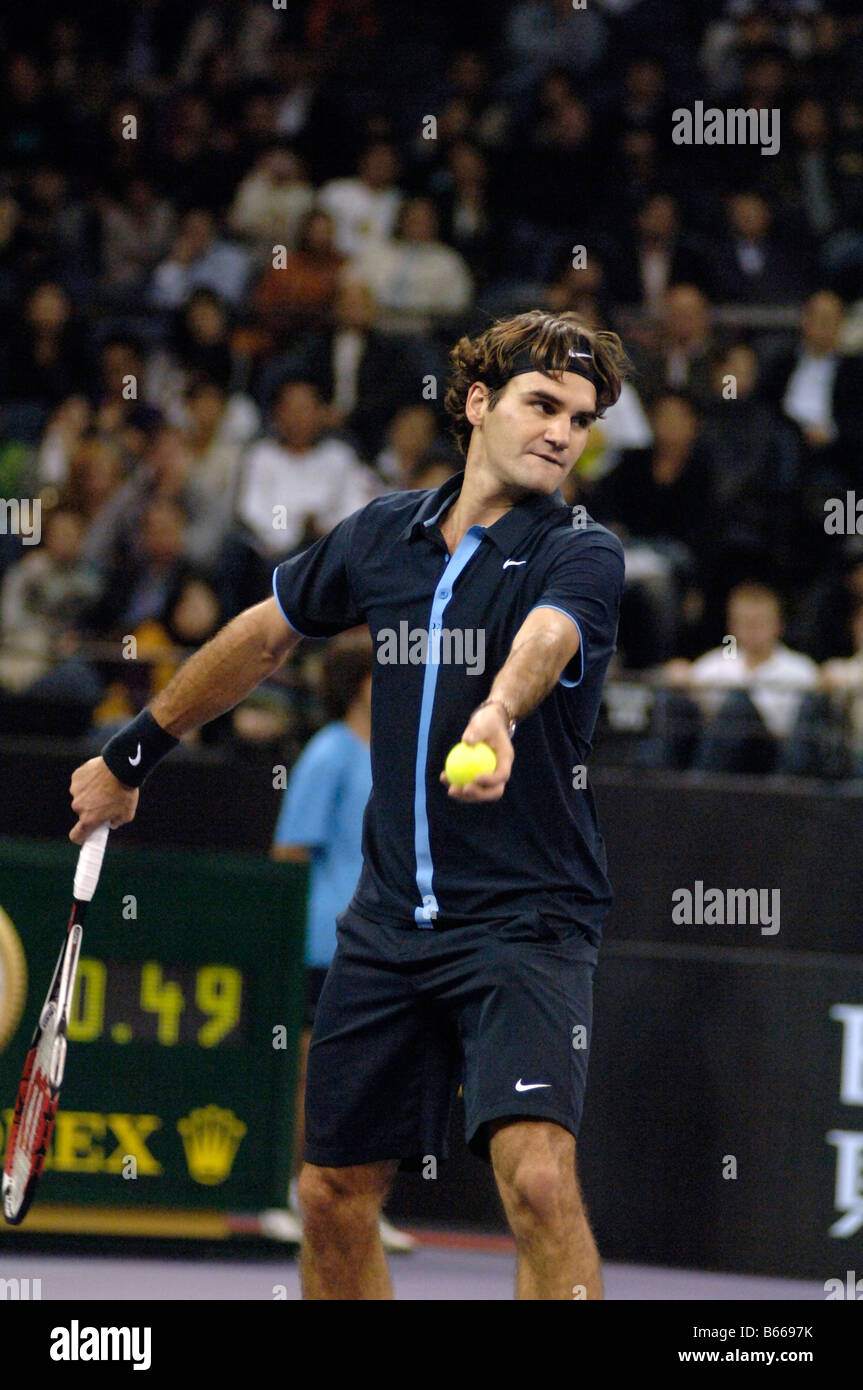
(237, 240)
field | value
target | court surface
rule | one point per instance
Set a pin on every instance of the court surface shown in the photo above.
(431, 1273)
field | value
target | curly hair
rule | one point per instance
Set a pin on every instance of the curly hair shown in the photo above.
(548, 337)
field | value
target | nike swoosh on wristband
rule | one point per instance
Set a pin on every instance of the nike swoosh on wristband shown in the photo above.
(533, 1085)
(513, 562)
(133, 762)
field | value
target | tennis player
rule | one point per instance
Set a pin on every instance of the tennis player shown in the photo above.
(467, 953)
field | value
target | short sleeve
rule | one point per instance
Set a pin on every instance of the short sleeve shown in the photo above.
(313, 589)
(305, 816)
(585, 582)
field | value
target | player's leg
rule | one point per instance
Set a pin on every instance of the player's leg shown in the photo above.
(525, 1018)
(376, 1082)
(534, 1167)
(300, 1101)
(315, 977)
(341, 1255)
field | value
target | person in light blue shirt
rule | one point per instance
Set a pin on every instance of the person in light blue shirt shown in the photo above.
(320, 823)
(322, 815)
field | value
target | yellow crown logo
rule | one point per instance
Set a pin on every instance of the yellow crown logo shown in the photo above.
(211, 1137)
(13, 979)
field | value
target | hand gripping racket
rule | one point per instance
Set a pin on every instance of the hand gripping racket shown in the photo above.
(39, 1091)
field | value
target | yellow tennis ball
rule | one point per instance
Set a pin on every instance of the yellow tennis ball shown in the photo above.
(467, 761)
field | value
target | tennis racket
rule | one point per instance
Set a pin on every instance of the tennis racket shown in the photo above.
(39, 1091)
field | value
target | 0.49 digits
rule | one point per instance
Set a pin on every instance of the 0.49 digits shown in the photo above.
(125, 1001)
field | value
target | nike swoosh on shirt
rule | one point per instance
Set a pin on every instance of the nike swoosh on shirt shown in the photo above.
(532, 1086)
(513, 562)
(133, 762)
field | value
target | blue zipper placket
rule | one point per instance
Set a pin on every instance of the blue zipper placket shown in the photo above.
(424, 916)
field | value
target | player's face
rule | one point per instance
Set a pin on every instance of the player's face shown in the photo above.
(537, 430)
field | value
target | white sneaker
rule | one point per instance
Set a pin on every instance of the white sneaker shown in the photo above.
(397, 1242)
(279, 1223)
(285, 1224)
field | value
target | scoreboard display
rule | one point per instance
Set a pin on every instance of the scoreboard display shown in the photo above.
(179, 1088)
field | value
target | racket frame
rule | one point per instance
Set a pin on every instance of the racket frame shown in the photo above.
(44, 1068)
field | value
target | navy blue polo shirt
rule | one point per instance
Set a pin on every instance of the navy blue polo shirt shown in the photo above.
(442, 627)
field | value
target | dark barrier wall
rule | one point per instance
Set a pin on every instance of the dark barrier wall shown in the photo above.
(724, 1119)
(179, 1084)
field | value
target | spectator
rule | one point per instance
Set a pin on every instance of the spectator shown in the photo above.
(364, 208)
(63, 433)
(644, 103)
(639, 170)
(302, 290)
(95, 473)
(471, 106)
(415, 279)
(31, 117)
(271, 202)
(755, 466)
(62, 224)
(199, 345)
(166, 474)
(199, 165)
(581, 287)
(136, 231)
(410, 435)
(146, 573)
(212, 417)
(554, 152)
(822, 392)
(46, 359)
(751, 264)
(842, 682)
(743, 701)
(808, 175)
(191, 616)
(679, 357)
(363, 375)
(200, 258)
(119, 400)
(658, 501)
(541, 34)
(823, 623)
(43, 598)
(434, 467)
(215, 463)
(468, 220)
(660, 255)
(16, 247)
(320, 824)
(295, 485)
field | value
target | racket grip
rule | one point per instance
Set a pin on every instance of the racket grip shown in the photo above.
(89, 863)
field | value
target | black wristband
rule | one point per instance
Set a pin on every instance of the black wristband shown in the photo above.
(133, 753)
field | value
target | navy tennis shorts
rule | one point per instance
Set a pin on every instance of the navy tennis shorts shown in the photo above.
(315, 976)
(408, 1014)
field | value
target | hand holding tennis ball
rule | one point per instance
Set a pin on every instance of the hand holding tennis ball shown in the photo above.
(478, 768)
(467, 761)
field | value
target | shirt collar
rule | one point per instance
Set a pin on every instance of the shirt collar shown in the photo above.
(507, 531)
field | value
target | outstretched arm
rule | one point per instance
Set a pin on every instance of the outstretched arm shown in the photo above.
(216, 678)
(542, 648)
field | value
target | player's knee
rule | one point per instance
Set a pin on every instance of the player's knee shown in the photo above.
(538, 1193)
(335, 1199)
